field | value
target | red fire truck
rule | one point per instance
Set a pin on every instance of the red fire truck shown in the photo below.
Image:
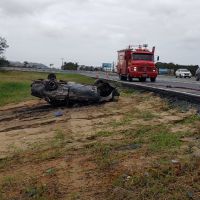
(137, 63)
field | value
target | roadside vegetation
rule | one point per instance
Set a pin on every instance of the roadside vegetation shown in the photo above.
(140, 147)
(15, 86)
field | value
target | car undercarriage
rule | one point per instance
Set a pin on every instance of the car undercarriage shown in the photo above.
(59, 92)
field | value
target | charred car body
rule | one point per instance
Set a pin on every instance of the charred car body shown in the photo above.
(58, 92)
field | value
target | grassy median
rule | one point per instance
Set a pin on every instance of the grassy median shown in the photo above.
(15, 86)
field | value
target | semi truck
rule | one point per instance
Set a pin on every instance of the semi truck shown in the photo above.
(137, 63)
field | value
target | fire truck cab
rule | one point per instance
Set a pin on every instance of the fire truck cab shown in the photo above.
(137, 63)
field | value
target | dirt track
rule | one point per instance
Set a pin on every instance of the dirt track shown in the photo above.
(34, 121)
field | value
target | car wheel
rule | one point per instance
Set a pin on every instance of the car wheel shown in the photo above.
(51, 85)
(130, 78)
(51, 76)
(153, 79)
(124, 78)
(115, 95)
(120, 77)
(99, 82)
(142, 79)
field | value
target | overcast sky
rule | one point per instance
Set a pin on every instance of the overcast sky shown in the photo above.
(91, 31)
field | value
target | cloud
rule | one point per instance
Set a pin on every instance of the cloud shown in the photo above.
(91, 31)
(23, 7)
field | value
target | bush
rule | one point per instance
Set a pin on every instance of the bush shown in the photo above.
(70, 66)
(3, 62)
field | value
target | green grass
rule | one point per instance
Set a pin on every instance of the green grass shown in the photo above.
(122, 122)
(8, 181)
(147, 115)
(129, 92)
(191, 119)
(15, 86)
(12, 92)
(158, 137)
(103, 154)
(132, 115)
(30, 188)
(164, 141)
(104, 133)
(157, 182)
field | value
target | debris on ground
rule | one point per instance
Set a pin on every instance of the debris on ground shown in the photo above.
(129, 147)
(58, 113)
(175, 161)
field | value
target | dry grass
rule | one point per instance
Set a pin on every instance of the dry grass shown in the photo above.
(121, 150)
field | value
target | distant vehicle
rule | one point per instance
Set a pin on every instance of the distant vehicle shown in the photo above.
(197, 74)
(137, 63)
(183, 73)
(107, 67)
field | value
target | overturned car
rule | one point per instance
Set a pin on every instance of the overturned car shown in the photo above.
(59, 92)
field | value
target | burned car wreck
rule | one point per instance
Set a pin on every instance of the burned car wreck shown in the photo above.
(59, 92)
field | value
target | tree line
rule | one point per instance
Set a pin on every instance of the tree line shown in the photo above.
(173, 67)
(69, 66)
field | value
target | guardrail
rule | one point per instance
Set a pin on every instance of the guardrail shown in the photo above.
(164, 92)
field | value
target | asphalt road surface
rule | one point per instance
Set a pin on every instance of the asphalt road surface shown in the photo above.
(185, 85)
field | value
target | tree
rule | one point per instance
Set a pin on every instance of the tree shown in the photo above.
(3, 45)
(173, 67)
(69, 66)
(25, 64)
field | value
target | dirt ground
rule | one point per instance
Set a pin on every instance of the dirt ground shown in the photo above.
(35, 121)
(107, 151)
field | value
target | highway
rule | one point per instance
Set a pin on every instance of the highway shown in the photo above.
(179, 84)
(182, 88)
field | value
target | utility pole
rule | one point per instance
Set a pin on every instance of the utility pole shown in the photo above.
(62, 62)
(113, 66)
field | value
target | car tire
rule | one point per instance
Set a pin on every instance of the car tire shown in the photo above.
(98, 82)
(122, 78)
(51, 76)
(51, 85)
(115, 95)
(142, 79)
(153, 79)
(130, 79)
